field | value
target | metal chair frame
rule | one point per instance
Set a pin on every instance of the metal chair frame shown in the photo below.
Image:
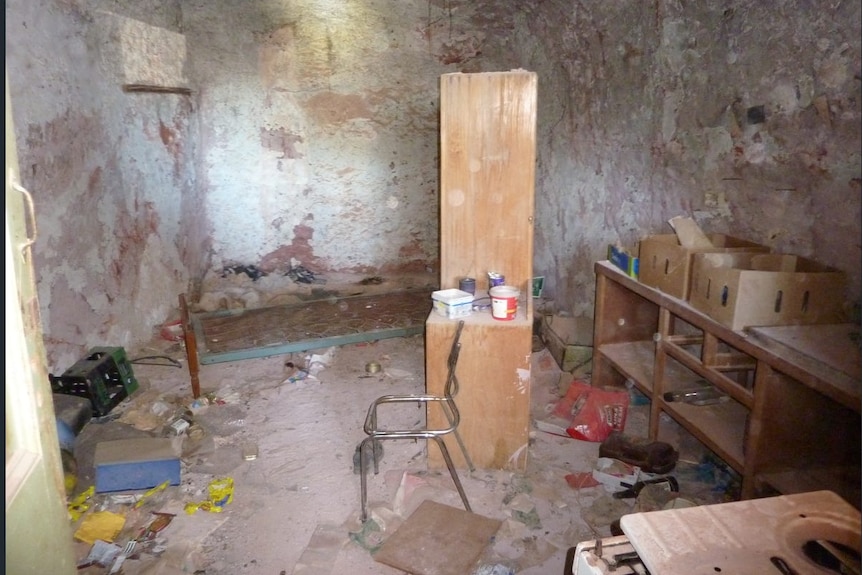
(448, 406)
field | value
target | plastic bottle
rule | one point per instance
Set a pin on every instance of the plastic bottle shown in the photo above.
(702, 395)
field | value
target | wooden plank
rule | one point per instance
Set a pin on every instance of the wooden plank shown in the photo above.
(721, 427)
(157, 89)
(635, 360)
(803, 428)
(191, 344)
(844, 481)
(834, 345)
(487, 177)
(494, 396)
(438, 540)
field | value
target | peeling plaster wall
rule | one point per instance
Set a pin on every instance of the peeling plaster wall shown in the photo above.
(109, 171)
(320, 127)
(650, 109)
(311, 137)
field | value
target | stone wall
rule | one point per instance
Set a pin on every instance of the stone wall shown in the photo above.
(305, 132)
(742, 114)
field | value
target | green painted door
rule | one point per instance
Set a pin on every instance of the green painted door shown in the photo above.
(38, 532)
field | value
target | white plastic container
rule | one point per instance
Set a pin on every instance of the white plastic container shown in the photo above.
(504, 302)
(452, 303)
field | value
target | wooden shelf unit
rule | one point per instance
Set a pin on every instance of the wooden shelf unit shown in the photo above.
(793, 415)
(487, 179)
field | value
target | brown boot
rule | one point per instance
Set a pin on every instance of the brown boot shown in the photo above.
(650, 456)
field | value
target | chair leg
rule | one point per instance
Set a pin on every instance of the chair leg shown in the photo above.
(448, 459)
(460, 441)
(363, 480)
(469, 461)
(375, 448)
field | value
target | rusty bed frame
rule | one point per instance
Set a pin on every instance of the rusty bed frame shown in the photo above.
(234, 335)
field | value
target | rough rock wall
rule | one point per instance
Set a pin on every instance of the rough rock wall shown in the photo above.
(319, 126)
(109, 171)
(744, 114)
(310, 137)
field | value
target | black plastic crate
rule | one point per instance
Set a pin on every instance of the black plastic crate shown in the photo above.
(105, 377)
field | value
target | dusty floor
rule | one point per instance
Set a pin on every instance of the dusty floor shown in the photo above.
(295, 507)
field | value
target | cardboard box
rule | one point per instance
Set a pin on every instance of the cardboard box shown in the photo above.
(621, 258)
(666, 265)
(569, 339)
(744, 289)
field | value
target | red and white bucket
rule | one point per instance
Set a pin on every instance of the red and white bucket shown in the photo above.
(504, 302)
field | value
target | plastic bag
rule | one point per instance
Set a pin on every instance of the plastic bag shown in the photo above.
(220, 494)
(594, 412)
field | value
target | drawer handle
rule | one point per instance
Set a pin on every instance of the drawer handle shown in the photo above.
(31, 213)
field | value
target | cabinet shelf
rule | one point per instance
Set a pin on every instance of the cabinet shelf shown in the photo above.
(786, 404)
(633, 360)
(721, 427)
(714, 376)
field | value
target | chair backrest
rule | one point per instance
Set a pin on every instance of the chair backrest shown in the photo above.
(451, 388)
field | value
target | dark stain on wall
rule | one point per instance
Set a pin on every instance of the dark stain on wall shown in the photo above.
(332, 108)
(299, 249)
(56, 151)
(281, 140)
(132, 231)
(172, 137)
(94, 183)
(459, 51)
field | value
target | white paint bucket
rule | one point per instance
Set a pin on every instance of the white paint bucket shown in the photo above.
(504, 302)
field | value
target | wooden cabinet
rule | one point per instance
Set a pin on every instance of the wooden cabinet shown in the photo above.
(487, 173)
(791, 422)
(494, 397)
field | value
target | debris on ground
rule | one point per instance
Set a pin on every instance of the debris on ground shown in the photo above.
(615, 475)
(302, 275)
(100, 525)
(497, 569)
(581, 480)
(651, 456)
(251, 271)
(220, 494)
(523, 510)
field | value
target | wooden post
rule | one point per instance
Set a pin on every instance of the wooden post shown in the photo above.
(191, 347)
(487, 173)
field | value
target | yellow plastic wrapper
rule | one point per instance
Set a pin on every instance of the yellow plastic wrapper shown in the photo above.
(220, 494)
(103, 525)
(151, 492)
(79, 505)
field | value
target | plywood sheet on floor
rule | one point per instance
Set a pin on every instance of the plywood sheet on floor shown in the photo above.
(263, 332)
(438, 540)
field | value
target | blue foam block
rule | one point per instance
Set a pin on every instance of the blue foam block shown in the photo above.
(129, 464)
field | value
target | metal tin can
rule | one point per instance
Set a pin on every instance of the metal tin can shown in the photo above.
(495, 279)
(468, 285)
(372, 367)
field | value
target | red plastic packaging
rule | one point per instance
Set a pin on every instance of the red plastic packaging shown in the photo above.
(594, 412)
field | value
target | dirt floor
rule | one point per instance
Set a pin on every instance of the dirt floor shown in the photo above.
(288, 447)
